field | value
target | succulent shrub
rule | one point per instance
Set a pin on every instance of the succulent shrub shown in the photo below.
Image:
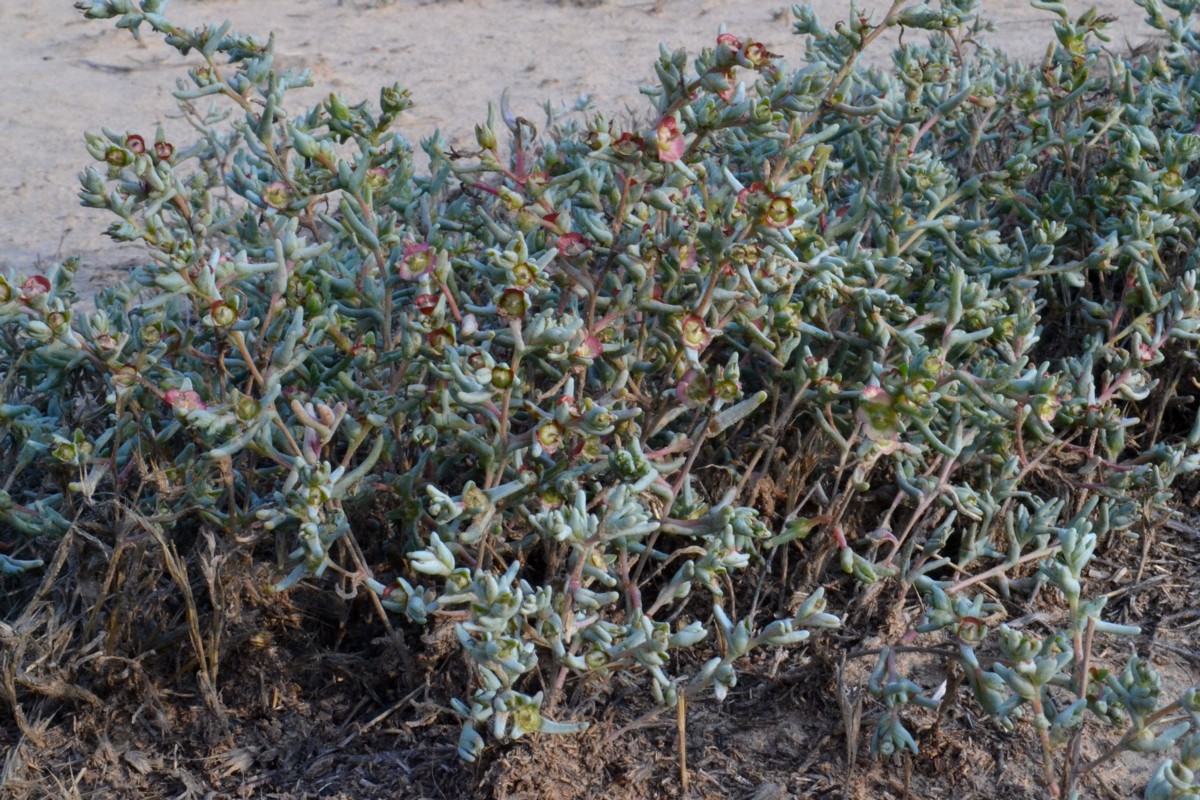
(929, 328)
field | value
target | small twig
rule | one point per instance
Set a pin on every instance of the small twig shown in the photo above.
(381, 716)
(944, 652)
(1133, 587)
(1043, 733)
(1193, 655)
(178, 571)
(1083, 656)
(851, 719)
(1147, 543)
(394, 636)
(681, 724)
(1001, 568)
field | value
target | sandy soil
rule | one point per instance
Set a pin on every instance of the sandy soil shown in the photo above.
(65, 75)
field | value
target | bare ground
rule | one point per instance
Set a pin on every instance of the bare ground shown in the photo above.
(66, 75)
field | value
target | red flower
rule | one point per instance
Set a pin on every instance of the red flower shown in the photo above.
(627, 145)
(426, 303)
(185, 401)
(163, 151)
(589, 348)
(757, 54)
(417, 261)
(550, 436)
(276, 195)
(746, 195)
(512, 304)
(696, 335)
(730, 41)
(35, 286)
(571, 244)
(669, 140)
(135, 144)
(694, 389)
(728, 56)
(779, 212)
(441, 338)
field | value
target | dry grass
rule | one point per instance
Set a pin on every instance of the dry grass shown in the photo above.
(141, 668)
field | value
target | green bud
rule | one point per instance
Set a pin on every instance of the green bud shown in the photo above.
(338, 108)
(485, 136)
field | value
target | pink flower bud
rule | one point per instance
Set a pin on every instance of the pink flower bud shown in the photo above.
(696, 335)
(377, 177)
(571, 245)
(779, 212)
(730, 41)
(590, 347)
(441, 338)
(512, 304)
(276, 195)
(417, 261)
(35, 286)
(185, 401)
(627, 145)
(550, 436)
(693, 389)
(757, 54)
(669, 140)
(426, 303)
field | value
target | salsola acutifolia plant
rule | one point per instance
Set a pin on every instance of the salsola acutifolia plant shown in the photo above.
(926, 331)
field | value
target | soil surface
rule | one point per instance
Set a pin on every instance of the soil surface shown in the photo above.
(313, 700)
(66, 75)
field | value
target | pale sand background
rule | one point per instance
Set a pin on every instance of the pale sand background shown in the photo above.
(63, 75)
